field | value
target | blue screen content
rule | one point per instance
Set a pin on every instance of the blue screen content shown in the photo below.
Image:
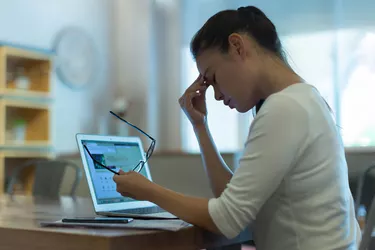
(115, 155)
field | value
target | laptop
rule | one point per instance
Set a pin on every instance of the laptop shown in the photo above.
(117, 153)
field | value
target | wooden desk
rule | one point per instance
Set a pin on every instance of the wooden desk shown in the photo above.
(19, 229)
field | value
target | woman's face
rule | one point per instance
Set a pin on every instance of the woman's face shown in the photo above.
(234, 76)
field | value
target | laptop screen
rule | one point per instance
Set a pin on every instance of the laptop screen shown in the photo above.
(116, 155)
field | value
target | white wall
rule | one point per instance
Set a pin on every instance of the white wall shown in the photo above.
(146, 59)
(36, 23)
(167, 39)
(139, 45)
(130, 49)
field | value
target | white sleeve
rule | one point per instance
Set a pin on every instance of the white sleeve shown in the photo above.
(274, 142)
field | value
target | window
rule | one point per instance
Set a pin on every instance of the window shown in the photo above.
(341, 64)
(357, 57)
(329, 44)
(311, 56)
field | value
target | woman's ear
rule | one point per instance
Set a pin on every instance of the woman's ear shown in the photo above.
(236, 45)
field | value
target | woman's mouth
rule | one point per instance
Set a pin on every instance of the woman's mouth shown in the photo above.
(229, 103)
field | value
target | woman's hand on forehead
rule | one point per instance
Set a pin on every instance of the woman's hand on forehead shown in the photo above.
(200, 80)
(204, 81)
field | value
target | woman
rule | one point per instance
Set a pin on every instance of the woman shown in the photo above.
(291, 186)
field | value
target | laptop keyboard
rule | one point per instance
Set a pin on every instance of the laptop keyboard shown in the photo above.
(143, 210)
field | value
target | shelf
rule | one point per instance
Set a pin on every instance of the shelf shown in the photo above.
(25, 54)
(27, 154)
(26, 149)
(25, 94)
(24, 104)
(26, 144)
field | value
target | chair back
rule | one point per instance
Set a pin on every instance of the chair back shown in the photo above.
(48, 177)
(369, 228)
(360, 187)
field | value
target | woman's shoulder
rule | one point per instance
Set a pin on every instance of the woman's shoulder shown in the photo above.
(300, 95)
(281, 108)
(298, 103)
(297, 90)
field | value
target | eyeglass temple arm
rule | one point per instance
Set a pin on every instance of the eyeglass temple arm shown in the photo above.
(141, 168)
(137, 166)
(140, 130)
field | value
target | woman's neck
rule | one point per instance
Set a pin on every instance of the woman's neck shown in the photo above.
(277, 76)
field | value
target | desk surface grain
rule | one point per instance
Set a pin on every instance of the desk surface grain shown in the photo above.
(19, 229)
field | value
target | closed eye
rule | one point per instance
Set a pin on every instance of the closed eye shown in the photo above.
(208, 82)
(213, 79)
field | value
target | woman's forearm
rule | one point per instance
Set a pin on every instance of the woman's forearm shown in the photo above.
(193, 210)
(218, 172)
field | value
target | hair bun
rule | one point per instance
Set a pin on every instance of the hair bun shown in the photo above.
(250, 10)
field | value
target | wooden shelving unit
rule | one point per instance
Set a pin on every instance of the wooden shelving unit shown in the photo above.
(24, 111)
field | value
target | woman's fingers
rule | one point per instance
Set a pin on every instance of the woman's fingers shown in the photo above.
(125, 194)
(199, 85)
(196, 90)
(187, 99)
(190, 96)
(181, 100)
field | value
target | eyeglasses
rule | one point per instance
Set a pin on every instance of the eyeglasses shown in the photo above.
(138, 168)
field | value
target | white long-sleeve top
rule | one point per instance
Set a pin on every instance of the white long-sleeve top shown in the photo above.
(291, 187)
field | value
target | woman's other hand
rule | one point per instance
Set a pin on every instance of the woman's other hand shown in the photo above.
(133, 185)
(193, 102)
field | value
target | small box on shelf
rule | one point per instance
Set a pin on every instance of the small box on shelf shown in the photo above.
(27, 75)
(16, 132)
(27, 124)
(23, 71)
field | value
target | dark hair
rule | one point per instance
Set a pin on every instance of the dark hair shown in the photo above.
(249, 20)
